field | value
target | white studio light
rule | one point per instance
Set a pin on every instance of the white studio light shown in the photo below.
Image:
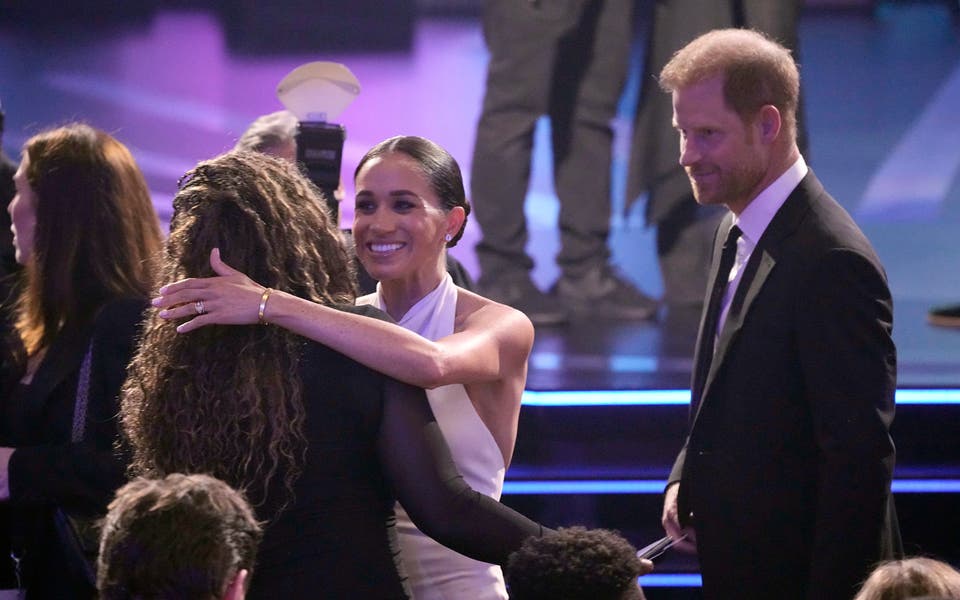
(318, 91)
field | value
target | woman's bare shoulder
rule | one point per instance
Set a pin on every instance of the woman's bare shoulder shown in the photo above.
(474, 309)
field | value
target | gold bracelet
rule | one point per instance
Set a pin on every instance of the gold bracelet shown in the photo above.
(263, 305)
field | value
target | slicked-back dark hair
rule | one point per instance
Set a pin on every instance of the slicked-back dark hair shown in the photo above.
(436, 164)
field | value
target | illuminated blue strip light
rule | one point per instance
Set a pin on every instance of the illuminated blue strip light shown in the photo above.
(928, 397)
(655, 486)
(671, 580)
(671, 397)
(926, 486)
(623, 486)
(607, 398)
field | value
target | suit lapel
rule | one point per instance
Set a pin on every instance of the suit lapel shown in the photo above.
(755, 275)
(701, 362)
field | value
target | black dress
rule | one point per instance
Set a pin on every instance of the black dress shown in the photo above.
(370, 440)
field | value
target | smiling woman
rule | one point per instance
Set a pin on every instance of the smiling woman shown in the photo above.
(469, 351)
(399, 232)
(410, 205)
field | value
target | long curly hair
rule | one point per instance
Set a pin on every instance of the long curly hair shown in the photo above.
(96, 235)
(226, 400)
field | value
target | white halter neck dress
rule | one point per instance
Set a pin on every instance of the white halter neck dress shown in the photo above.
(436, 572)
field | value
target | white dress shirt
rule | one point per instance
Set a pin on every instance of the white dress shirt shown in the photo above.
(753, 221)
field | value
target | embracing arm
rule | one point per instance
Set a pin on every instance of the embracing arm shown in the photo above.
(849, 368)
(420, 469)
(492, 342)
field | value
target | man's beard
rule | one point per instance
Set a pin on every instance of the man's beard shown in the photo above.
(732, 187)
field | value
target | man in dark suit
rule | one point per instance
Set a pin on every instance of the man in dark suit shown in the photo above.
(783, 485)
(684, 229)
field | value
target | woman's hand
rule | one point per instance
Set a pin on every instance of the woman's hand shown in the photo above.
(231, 298)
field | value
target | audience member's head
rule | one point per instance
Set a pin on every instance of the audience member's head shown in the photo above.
(911, 578)
(756, 72)
(575, 564)
(84, 227)
(274, 134)
(435, 164)
(184, 537)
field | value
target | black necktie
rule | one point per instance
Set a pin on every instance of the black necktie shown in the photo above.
(709, 331)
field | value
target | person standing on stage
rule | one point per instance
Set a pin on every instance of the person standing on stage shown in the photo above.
(783, 484)
(567, 60)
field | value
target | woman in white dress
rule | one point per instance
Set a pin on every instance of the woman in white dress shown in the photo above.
(469, 352)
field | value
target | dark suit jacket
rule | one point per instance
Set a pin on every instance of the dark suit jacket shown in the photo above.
(49, 471)
(788, 463)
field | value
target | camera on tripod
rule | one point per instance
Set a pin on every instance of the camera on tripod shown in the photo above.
(316, 93)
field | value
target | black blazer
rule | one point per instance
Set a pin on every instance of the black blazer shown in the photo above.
(49, 471)
(788, 463)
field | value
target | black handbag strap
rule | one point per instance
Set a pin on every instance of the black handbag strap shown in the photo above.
(76, 533)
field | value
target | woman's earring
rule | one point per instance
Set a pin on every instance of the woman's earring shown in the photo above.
(448, 238)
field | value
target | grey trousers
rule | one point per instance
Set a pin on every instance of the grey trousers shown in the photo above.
(566, 59)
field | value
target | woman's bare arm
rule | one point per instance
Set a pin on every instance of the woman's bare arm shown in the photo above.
(490, 343)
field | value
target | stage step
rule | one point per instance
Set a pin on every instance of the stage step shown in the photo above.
(600, 459)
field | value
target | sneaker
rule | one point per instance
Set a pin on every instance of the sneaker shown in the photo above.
(945, 316)
(603, 293)
(521, 294)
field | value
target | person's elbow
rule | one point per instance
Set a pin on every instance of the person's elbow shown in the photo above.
(446, 516)
(445, 529)
(443, 523)
(433, 371)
